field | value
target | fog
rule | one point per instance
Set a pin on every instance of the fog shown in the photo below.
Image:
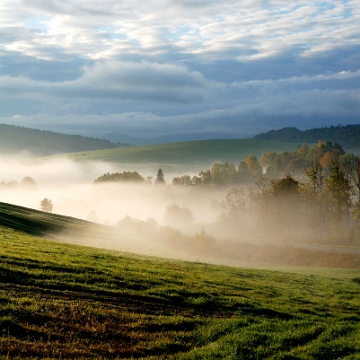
(70, 187)
(187, 222)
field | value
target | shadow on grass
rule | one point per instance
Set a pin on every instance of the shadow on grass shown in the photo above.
(254, 310)
(10, 328)
(197, 302)
(16, 277)
(176, 327)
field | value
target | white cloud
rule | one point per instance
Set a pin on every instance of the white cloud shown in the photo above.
(175, 62)
(196, 26)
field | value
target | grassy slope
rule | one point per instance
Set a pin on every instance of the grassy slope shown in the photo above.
(66, 301)
(189, 152)
(63, 228)
(80, 232)
(38, 223)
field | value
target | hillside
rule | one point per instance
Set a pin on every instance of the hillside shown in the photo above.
(72, 302)
(69, 229)
(15, 140)
(348, 136)
(63, 228)
(174, 137)
(203, 152)
(43, 224)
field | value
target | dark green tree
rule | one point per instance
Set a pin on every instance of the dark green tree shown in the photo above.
(160, 178)
(281, 207)
(337, 197)
(350, 164)
(182, 180)
(125, 176)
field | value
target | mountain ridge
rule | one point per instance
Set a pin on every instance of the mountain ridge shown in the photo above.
(35, 142)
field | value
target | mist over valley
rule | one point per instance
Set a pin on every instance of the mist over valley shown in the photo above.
(206, 210)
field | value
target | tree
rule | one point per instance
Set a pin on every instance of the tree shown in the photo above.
(204, 243)
(350, 164)
(282, 207)
(337, 196)
(160, 178)
(178, 217)
(223, 173)
(287, 187)
(46, 205)
(312, 192)
(182, 180)
(205, 177)
(125, 176)
(255, 169)
(28, 182)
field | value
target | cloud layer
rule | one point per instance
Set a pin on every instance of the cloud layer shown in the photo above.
(159, 67)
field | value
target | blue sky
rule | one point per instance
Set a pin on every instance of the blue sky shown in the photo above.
(151, 68)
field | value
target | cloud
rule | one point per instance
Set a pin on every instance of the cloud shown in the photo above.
(115, 81)
(213, 28)
(177, 65)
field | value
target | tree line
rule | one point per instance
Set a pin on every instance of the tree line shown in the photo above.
(272, 165)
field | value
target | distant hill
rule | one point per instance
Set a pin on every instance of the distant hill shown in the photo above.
(124, 138)
(348, 136)
(16, 139)
(201, 152)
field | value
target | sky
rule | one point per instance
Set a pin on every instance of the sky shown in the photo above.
(161, 67)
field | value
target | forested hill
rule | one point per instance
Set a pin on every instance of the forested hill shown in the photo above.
(16, 139)
(348, 136)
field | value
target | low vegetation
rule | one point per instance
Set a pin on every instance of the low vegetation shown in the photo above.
(71, 302)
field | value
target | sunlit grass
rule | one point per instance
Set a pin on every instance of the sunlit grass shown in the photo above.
(66, 301)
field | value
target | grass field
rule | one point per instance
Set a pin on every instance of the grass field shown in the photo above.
(189, 152)
(72, 302)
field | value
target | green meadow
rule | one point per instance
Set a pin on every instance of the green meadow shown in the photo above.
(187, 152)
(61, 301)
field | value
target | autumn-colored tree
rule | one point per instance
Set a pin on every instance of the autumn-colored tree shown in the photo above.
(267, 159)
(254, 168)
(243, 173)
(223, 174)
